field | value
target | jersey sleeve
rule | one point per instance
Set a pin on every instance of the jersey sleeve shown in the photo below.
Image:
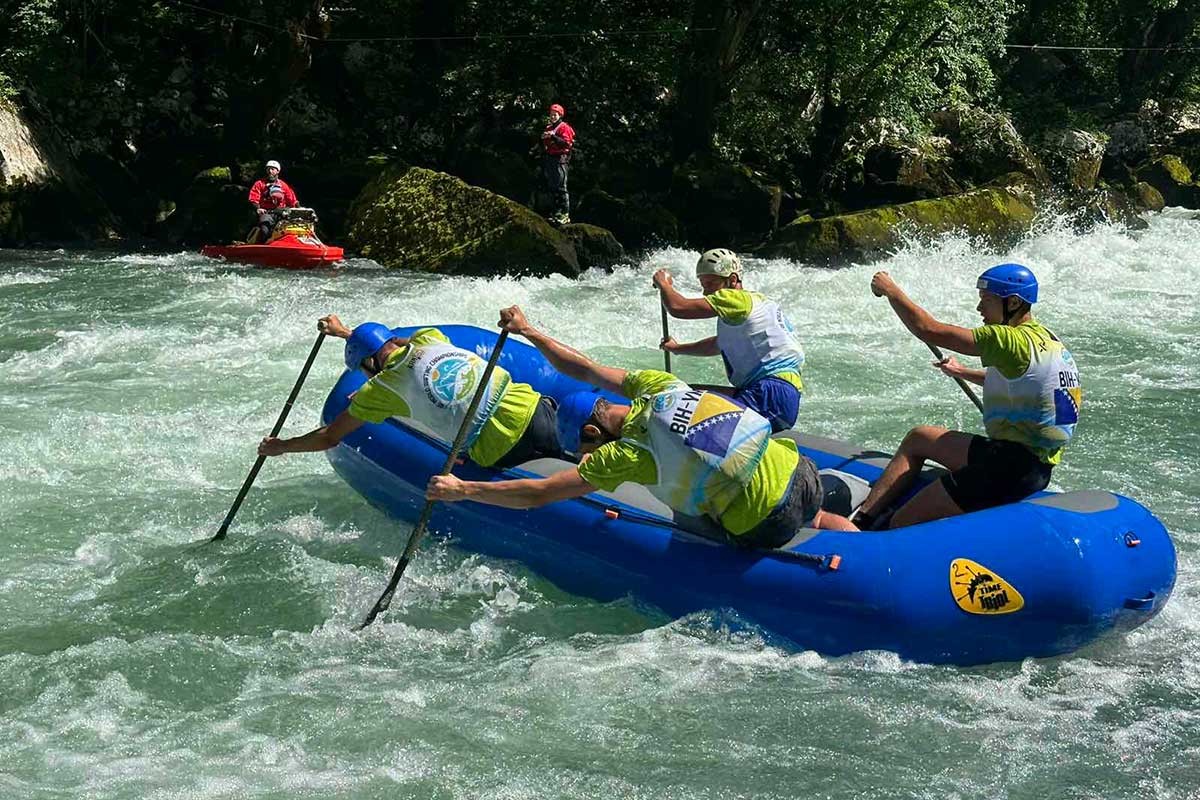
(618, 462)
(733, 306)
(1004, 347)
(646, 381)
(428, 336)
(375, 403)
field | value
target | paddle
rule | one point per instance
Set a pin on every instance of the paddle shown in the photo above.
(961, 383)
(414, 539)
(283, 415)
(666, 331)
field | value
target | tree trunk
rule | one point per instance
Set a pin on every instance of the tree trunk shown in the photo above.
(707, 70)
(1140, 71)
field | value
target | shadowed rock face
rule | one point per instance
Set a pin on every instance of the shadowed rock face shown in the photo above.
(43, 198)
(433, 222)
(994, 214)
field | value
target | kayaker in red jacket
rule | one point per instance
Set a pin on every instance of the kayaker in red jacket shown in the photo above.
(268, 196)
(556, 143)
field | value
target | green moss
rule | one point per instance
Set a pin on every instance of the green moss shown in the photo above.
(214, 175)
(994, 213)
(1175, 168)
(433, 222)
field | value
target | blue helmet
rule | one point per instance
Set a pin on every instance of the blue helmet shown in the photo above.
(1008, 280)
(574, 411)
(365, 342)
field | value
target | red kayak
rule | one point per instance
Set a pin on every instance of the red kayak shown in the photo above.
(293, 245)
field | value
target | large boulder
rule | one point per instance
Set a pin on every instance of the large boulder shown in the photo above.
(883, 163)
(596, 247)
(638, 221)
(986, 145)
(1072, 158)
(212, 210)
(433, 222)
(1173, 180)
(723, 204)
(995, 213)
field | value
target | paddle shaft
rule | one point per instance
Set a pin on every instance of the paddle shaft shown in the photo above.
(283, 415)
(666, 333)
(961, 383)
(418, 533)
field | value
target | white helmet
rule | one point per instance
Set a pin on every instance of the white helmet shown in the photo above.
(274, 163)
(719, 262)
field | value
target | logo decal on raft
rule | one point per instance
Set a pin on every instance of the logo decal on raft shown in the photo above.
(979, 590)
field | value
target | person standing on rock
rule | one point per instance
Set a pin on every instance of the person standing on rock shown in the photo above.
(1031, 402)
(700, 452)
(555, 146)
(758, 343)
(268, 196)
(426, 379)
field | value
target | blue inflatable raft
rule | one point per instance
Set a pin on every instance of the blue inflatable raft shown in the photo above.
(1036, 578)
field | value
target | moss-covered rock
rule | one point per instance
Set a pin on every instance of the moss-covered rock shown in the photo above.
(1112, 206)
(1173, 180)
(723, 204)
(985, 145)
(638, 221)
(596, 247)
(1148, 198)
(212, 210)
(430, 221)
(1072, 158)
(997, 214)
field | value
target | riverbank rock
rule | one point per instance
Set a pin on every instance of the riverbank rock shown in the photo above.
(638, 222)
(433, 222)
(1072, 158)
(994, 213)
(43, 198)
(723, 204)
(883, 163)
(1173, 180)
(986, 145)
(596, 247)
(212, 210)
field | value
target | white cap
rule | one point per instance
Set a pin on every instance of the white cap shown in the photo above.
(274, 164)
(719, 262)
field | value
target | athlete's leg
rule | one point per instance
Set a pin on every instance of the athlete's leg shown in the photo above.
(946, 447)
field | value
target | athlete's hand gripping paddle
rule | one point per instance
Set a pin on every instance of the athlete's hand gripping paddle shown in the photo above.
(961, 383)
(414, 539)
(283, 415)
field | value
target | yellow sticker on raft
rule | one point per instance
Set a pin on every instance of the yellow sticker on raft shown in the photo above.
(979, 590)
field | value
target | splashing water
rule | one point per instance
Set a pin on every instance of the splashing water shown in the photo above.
(134, 388)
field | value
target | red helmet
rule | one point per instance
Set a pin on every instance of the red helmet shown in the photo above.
(557, 109)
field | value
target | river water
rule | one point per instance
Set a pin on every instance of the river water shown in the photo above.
(135, 664)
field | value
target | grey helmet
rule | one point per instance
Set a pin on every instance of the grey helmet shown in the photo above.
(719, 262)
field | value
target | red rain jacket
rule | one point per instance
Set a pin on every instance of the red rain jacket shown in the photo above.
(273, 195)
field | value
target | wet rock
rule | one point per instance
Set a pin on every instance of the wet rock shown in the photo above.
(1109, 206)
(994, 213)
(1173, 180)
(596, 247)
(433, 222)
(986, 145)
(1072, 158)
(638, 221)
(723, 204)
(1148, 198)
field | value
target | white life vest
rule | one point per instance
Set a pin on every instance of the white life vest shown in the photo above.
(706, 448)
(1041, 407)
(437, 382)
(765, 344)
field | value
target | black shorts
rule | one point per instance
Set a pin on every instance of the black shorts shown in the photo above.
(997, 472)
(540, 439)
(796, 510)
